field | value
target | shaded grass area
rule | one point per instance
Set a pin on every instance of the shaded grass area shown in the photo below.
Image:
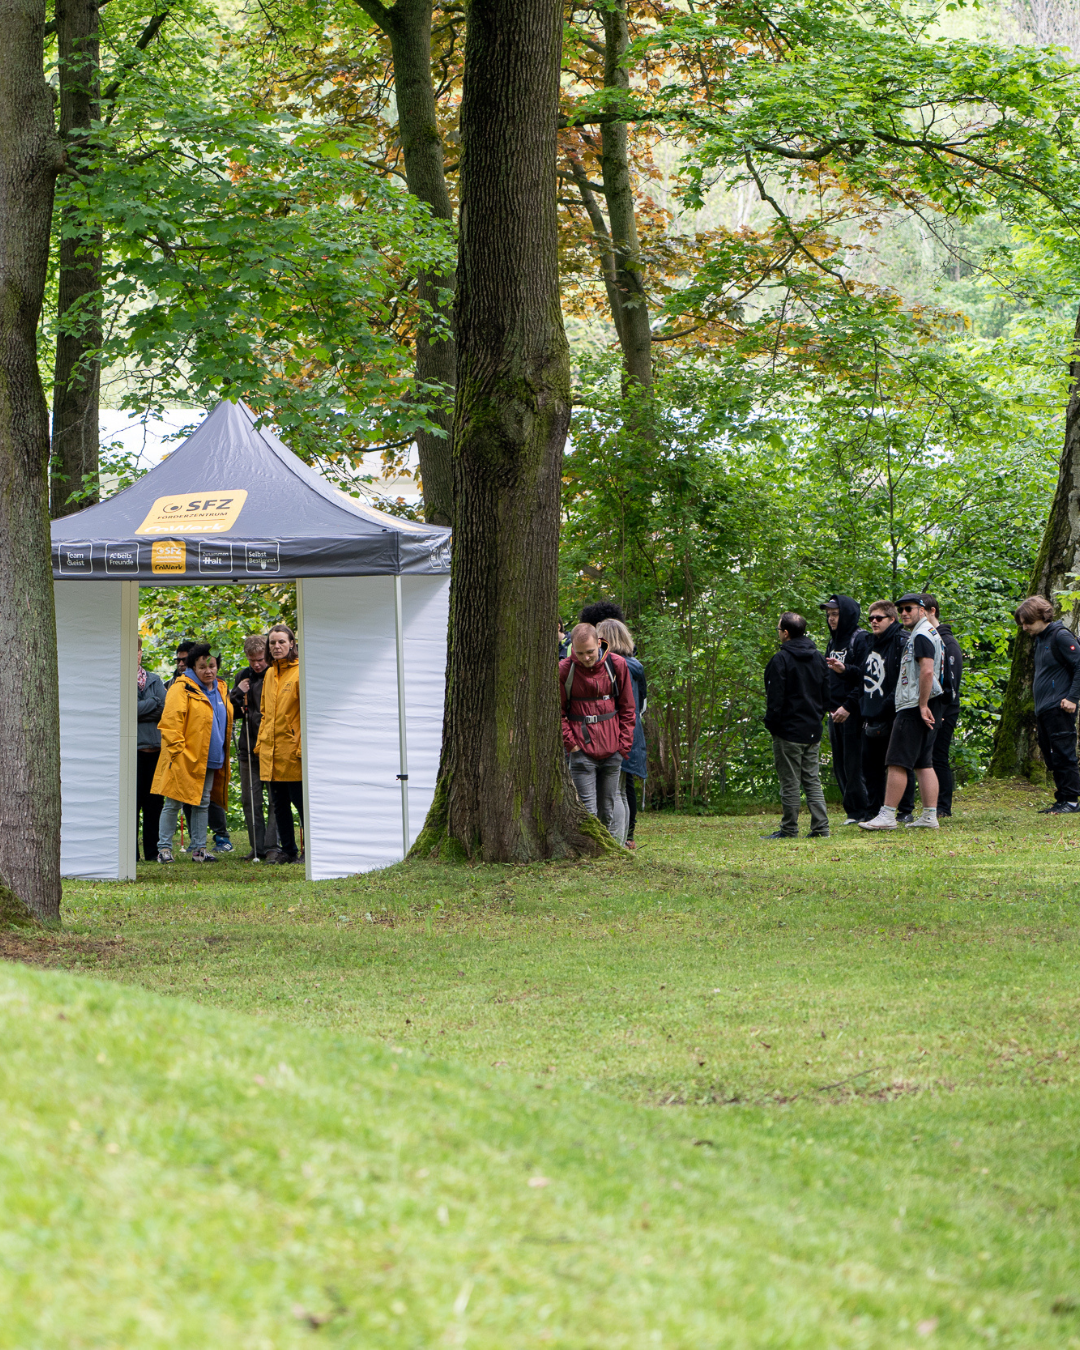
(809, 1094)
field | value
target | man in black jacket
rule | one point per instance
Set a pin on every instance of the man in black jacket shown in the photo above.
(245, 697)
(953, 670)
(846, 653)
(796, 683)
(877, 701)
(1056, 690)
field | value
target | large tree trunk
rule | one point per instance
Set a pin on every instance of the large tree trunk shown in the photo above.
(635, 334)
(407, 23)
(504, 793)
(1015, 745)
(77, 373)
(30, 159)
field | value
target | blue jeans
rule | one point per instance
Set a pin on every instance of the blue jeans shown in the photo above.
(170, 813)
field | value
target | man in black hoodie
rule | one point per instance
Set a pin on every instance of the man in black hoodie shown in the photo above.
(796, 681)
(952, 674)
(846, 654)
(877, 701)
(1056, 690)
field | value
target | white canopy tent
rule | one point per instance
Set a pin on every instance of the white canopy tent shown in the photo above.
(232, 504)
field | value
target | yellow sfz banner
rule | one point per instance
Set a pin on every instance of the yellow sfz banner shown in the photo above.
(194, 513)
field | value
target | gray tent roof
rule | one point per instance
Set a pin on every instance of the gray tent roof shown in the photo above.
(242, 508)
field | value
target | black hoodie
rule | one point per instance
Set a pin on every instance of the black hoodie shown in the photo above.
(952, 668)
(850, 644)
(795, 683)
(1057, 667)
(880, 672)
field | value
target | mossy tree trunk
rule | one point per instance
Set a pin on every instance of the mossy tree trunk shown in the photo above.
(30, 158)
(407, 23)
(1015, 745)
(504, 793)
(77, 369)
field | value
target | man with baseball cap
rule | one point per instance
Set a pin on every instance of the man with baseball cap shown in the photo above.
(918, 710)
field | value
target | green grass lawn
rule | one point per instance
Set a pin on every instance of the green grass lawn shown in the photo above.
(726, 1092)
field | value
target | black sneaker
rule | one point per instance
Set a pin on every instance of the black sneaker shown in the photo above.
(905, 819)
(821, 834)
(1063, 809)
(779, 834)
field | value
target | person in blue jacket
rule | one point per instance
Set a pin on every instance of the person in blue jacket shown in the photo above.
(1056, 690)
(618, 638)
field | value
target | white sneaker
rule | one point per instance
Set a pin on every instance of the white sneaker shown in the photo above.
(880, 822)
(923, 822)
(851, 820)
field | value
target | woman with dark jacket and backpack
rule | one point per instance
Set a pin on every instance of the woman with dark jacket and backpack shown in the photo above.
(619, 640)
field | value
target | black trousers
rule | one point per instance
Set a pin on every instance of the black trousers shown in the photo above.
(845, 739)
(149, 803)
(942, 767)
(876, 774)
(631, 802)
(286, 795)
(1057, 741)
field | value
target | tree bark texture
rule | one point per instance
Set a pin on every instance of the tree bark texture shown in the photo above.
(30, 159)
(407, 23)
(635, 334)
(77, 373)
(1016, 750)
(504, 792)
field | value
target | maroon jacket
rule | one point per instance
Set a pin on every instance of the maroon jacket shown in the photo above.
(592, 697)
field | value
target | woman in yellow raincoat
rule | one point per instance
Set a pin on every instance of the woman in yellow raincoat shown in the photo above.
(196, 735)
(278, 746)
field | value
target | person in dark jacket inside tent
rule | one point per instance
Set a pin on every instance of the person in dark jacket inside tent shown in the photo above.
(598, 719)
(1056, 691)
(848, 646)
(796, 691)
(151, 704)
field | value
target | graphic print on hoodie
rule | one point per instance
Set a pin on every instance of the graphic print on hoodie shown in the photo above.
(849, 644)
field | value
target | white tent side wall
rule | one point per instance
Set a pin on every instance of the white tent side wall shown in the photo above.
(425, 603)
(351, 750)
(96, 633)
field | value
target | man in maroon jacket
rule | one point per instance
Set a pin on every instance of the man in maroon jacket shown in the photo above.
(598, 716)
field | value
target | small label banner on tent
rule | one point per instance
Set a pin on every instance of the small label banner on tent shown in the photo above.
(75, 559)
(215, 558)
(262, 558)
(168, 555)
(121, 559)
(194, 513)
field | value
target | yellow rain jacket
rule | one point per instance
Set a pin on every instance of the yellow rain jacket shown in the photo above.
(278, 746)
(185, 745)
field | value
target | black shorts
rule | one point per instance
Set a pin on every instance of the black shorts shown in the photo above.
(911, 744)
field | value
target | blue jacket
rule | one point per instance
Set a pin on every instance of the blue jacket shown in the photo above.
(151, 705)
(1057, 667)
(636, 762)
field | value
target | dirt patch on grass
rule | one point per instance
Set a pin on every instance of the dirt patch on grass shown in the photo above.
(57, 951)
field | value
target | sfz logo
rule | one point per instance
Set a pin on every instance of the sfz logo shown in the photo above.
(194, 513)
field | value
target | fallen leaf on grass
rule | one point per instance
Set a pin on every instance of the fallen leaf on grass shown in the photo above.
(537, 1182)
(927, 1326)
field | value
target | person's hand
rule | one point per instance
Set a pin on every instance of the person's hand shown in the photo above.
(926, 714)
(837, 667)
(1070, 708)
(840, 715)
(244, 686)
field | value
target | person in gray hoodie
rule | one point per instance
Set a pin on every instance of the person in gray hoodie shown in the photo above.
(151, 702)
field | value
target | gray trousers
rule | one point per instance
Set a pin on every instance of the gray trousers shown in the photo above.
(261, 827)
(797, 767)
(597, 782)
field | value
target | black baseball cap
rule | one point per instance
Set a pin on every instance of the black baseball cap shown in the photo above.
(911, 597)
(833, 602)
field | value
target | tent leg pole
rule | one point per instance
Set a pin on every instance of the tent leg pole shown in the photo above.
(403, 752)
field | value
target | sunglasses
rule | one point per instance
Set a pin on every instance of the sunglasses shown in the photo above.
(907, 609)
(878, 618)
